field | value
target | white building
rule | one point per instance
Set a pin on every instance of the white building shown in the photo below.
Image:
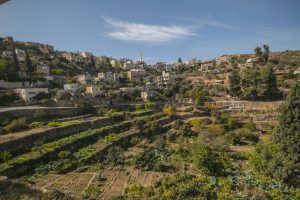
(28, 93)
(7, 54)
(43, 68)
(71, 87)
(21, 55)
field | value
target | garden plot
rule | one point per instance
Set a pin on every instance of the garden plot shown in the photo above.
(115, 185)
(147, 178)
(72, 183)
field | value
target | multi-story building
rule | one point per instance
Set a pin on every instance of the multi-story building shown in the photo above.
(43, 68)
(28, 93)
(86, 55)
(136, 75)
(94, 90)
(46, 48)
(71, 87)
(7, 54)
(109, 77)
(21, 55)
(85, 79)
(73, 57)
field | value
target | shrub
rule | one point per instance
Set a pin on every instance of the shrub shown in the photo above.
(150, 105)
(196, 122)
(36, 124)
(86, 107)
(16, 125)
(135, 190)
(250, 125)
(54, 124)
(5, 155)
(139, 107)
(210, 161)
(8, 97)
(64, 154)
(115, 155)
(168, 110)
(134, 140)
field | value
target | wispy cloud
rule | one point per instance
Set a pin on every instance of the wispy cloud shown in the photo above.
(202, 22)
(131, 31)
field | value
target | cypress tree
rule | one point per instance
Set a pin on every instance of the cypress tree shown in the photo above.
(234, 82)
(287, 137)
(268, 87)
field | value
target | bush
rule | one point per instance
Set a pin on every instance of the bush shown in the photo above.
(196, 122)
(135, 190)
(54, 124)
(86, 107)
(5, 155)
(139, 107)
(36, 124)
(150, 105)
(250, 125)
(209, 161)
(134, 140)
(64, 154)
(16, 125)
(8, 97)
(168, 110)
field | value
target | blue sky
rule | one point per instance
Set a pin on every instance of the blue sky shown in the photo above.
(162, 29)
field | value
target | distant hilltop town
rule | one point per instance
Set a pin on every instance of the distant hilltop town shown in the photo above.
(65, 77)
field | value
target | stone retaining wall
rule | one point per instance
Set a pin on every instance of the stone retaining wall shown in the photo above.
(51, 134)
(49, 113)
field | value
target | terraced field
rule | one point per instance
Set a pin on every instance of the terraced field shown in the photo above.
(43, 165)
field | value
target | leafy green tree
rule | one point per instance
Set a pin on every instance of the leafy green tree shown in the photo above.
(268, 86)
(234, 82)
(266, 53)
(287, 135)
(4, 64)
(250, 83)
(86, 107)
(258, 53)
(16, 64)
(150, 105)
(210, 161)
(28, 63)
(115, 155)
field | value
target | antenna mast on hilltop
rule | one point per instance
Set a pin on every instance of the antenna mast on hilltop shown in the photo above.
(141, 56)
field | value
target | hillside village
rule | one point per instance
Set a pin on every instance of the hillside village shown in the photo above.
(74, 125)
(39, 74)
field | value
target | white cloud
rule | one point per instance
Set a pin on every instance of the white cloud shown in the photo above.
(129, 31)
